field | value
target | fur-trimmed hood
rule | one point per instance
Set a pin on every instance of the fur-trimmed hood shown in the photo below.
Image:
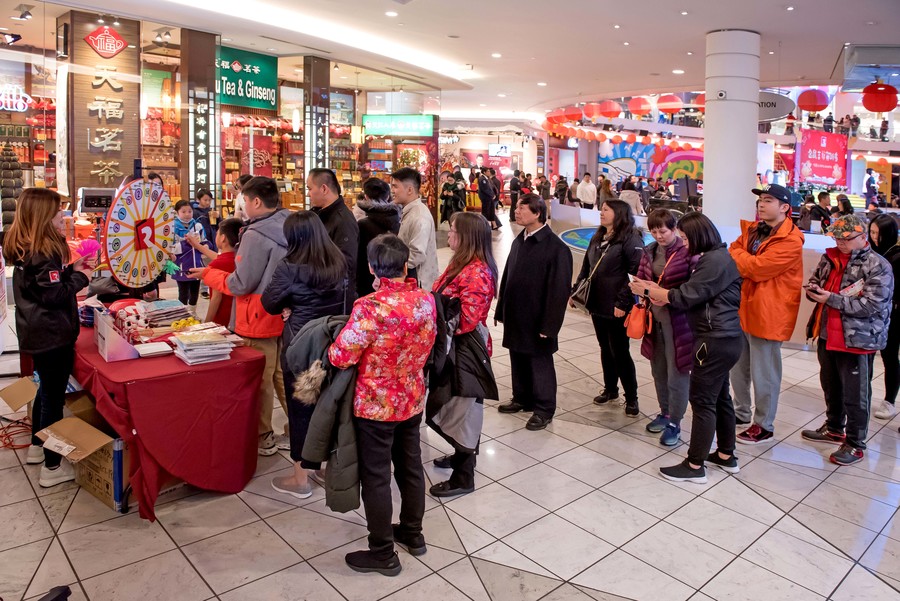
(309, 383)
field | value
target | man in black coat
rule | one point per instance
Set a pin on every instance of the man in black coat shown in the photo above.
(487, 194)
(534, 291)
(327, 202)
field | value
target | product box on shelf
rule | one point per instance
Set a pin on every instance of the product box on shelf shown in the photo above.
(110, 343)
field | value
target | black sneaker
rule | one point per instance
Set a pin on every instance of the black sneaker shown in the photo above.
(511, 407)
(729, 465)
(683, 472)
(823, 434)
(414, 544)
(537, 422)
(443, 462)
(632, 409)
(847, 455)
(606, 396)
(365, 561)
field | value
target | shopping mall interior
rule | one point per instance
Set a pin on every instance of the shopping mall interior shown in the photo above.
(696, 101)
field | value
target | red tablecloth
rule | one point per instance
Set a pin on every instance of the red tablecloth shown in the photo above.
(197, 423)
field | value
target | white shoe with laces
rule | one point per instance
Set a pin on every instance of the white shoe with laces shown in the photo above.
(885, 410)
(63, 473)
(35, 455)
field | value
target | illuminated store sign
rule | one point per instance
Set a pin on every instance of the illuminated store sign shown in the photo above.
(247, 79)
(399, 125)
(106, 41)
(13, 98)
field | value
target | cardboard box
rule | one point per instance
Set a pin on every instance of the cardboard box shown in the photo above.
(110, 344)
(19, 393)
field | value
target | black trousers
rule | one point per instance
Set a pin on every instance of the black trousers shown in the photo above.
(379, 444)
(710, 396)
(53, 368)
(615, 355)
(846, 380)
(463, 465)
(513, 201)
(299, 414)
(534, 382)
(489, 210)
(189, 292)
(890, 355)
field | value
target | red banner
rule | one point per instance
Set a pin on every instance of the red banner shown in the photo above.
(822, 158)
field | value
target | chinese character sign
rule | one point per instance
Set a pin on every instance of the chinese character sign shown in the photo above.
(247, 79)
(106, 41)
(202, 153)
(822, 158)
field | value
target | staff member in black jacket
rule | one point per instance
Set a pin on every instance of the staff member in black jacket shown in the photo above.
(532, 305)
(711, 298)
(613, 253)
(327, 202)
(44, 289)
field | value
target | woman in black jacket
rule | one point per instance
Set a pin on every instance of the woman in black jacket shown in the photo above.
(711, 298)
(44, 289)
(382, 217)
(883, 238)
(310, 282)
(617, 247)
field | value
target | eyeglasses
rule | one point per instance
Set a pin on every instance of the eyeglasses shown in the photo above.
(839, 240)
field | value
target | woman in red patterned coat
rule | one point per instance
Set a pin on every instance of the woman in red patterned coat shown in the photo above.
(471, 277)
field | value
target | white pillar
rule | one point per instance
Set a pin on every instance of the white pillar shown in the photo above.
(732, 115)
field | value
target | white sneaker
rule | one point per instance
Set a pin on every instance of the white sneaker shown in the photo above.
(35, 455)
(885, 411)
(283, 442)
(63, 473)
(267, 444)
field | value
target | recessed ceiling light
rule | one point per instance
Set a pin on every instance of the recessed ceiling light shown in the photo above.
(298, 70)
(895, 74)
(871, 22)
(271, 49)
(690, 53)
(132, 46)
(391, 13)
(678, 71)
(501, 95)
(616, 26)
(626, 44)
(343, 77)
(496, 55)
(542, 83)
(771, 52)
(226, 39)
(482, 105)
(400, 24)
(684, 13)
(790, 8)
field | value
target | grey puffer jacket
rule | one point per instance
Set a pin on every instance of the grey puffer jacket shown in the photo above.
(865, 317)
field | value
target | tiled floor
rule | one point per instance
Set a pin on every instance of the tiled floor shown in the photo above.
(577, 512)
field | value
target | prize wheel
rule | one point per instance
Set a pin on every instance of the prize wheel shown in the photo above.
(138, 234)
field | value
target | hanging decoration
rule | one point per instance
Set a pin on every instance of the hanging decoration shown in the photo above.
(573, 113)
(639, 106)
(669, 104)
(610, 109)
(592, 111)
(700, 102)
(879, 97)
(812, 100)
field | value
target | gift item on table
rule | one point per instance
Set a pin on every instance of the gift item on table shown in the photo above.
(163, 312)
(199, 347)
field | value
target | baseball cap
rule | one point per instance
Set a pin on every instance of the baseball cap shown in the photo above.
(779, 192)
(846, 226)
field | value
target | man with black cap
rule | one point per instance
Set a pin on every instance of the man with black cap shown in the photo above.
(769, 256)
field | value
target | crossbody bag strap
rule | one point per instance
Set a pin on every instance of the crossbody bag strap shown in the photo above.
(663, 272)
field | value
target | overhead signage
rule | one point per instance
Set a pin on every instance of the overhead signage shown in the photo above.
(399, 125)
(774, 106)
(822, 158)
(106, 41)
(247, 79)
(13, 98)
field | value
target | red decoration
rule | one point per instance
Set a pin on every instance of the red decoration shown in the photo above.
(556, 117)
(610, 109)
(882, 161)
(879, 97)
(601, 137)
(700, 102)
(106, 41)
(545, 125)
(617, 139)
(573, 113)
(673, 146)
(687, 146)
(812, 100)
(631, 138)
(646, 140)
(285, 137)
(859, 157)
(669, 104)
(639, 106)
(592, 110)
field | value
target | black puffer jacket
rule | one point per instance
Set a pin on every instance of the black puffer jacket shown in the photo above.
(381, 218)
(290, 288)
(46, 309)
(711, 296)
(609, 286)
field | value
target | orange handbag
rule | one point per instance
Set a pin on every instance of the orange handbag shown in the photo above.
(639, 322)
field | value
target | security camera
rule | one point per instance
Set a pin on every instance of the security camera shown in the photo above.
(721, 94)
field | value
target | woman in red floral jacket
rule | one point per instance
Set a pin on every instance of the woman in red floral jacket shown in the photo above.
(388, 337)
(471, 277)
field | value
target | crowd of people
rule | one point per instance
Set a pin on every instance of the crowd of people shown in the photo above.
(364, 337)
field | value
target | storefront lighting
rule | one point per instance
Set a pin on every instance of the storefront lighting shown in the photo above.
(158, 38)
(116, 22)
(356, 134)
(226, 119)
(295, 120)
(391, 13)
(100, 20)
(335, 67)
(167, 35)
(143, 110)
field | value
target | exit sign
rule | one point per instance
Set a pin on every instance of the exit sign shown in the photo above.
(399, 125)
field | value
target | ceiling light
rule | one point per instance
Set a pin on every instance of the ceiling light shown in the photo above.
(790, 8)
(271, 49)
(132, 46)
(158, 38)
(226, 39)
(690, 53)
(542, 83)
(678, 71)
(684, 13)
(391, 13)
(167, 35)
(99, 19)
(895, 74)
(11, 38)
(626, 44)
(501, 95)
(335, 67)
(771, 52)
(343, 77)
(496, 55)
(871, 22)
(616, 26)
(116, 22)
(482, 105)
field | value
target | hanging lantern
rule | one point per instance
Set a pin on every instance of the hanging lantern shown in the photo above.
(285, 136)
(601, 137)
(669, 104)
(610, 109)
(882, 161)
(879, 97)
(617, 139)
(545, 125)
(592, 111)
(573, 113)
(700, 102)
(639, 106)
(812, 101)
(859, 157)
(556, 117)
(673, 146)
(631, 138)
(687, 146)
(646, 140)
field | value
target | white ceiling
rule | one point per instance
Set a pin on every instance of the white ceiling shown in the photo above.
(571, 45)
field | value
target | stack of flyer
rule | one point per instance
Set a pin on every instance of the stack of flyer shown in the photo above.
(195, 348)
(163, 312)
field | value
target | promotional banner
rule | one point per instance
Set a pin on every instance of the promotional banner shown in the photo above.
(822, 158)
(247, 79)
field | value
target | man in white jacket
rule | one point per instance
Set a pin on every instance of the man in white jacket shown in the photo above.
(416, 226)
(587, 192)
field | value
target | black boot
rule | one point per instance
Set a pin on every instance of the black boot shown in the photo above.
(365, 561)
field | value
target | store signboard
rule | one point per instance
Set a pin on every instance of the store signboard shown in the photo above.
(202, 135)
(774, 106)
(822, 158)
(399, 125)
(247, 79)
(106, 41)
(152, 82)
(13, 98)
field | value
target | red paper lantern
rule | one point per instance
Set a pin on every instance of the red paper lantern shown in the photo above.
(882, 161)
(610, 109)
(812, 100)
(687, 146)
(573, 113)
(591, 136)
(285, 137)
(546, 125)
(646, 140)
(592, 110)
(669, 104)
(617, 139)
(631, 138)
(673, 146)
(601, 137)
(556, 117)
(859, 157)
(571, 131)
(879, 97)
(639, 106)
(700, 102)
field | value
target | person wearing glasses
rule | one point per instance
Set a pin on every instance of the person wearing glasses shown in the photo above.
(853, 287)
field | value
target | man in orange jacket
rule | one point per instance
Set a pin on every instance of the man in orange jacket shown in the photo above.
(769, 256)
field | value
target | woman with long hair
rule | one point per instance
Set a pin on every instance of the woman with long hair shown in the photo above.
(44, 287)
(310, 282)
(606, 192)
(711, 298)
(470, 277)
(883, 238)
(614, 252)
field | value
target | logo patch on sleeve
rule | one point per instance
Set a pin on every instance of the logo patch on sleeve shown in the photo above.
(54, 277)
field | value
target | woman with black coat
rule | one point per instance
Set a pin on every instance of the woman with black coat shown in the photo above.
(883, 238)
(310, 282)
(44, 289)
(614, 252)
(382, 217)
(711, 297)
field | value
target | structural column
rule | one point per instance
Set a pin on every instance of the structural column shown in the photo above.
(732, 116)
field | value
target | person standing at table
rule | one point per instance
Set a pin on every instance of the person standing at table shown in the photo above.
(310, 282)
(44, 289)
(261, 249)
